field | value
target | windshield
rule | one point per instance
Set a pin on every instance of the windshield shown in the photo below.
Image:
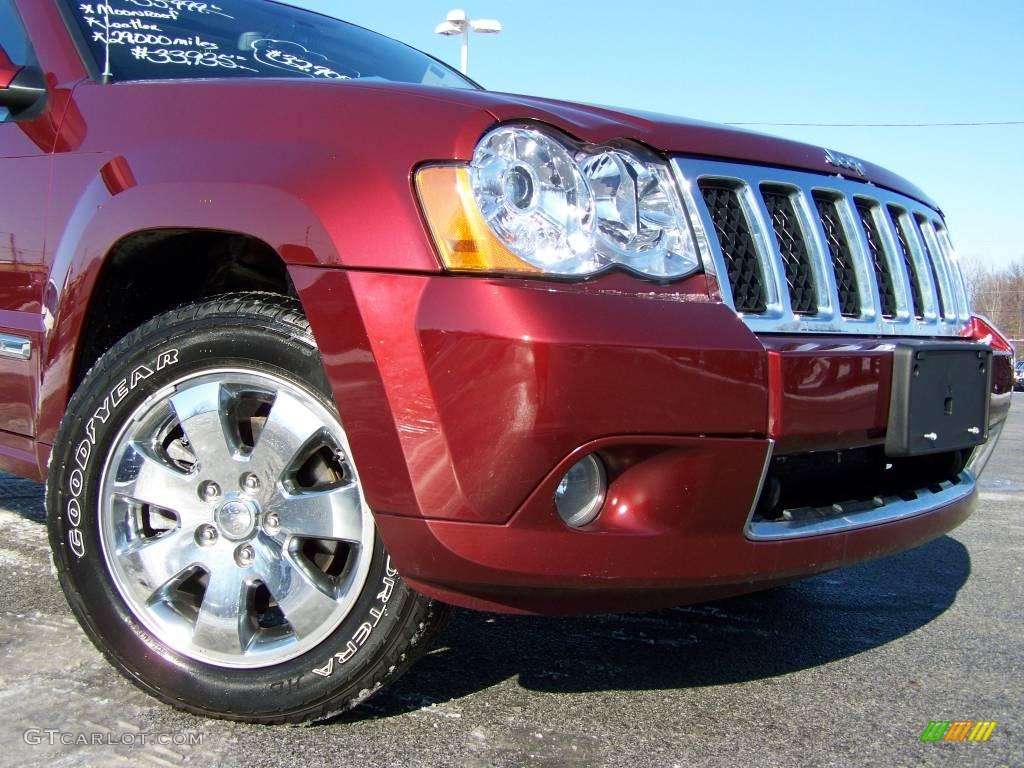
(171, 39)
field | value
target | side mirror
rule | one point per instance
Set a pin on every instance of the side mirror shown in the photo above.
(21, 88)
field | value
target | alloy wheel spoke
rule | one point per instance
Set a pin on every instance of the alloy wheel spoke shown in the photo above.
(159, 485)
(305, 603)
(156, 561)
(223, 622)
(288, 429)
(201, 412)
(334, 514)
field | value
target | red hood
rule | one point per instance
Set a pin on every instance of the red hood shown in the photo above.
(668, 134)
(691, 137)
(453, 109)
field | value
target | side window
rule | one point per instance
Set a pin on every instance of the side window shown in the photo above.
(12, 35)
(14, 40)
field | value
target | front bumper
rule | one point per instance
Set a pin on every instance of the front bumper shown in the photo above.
(466, 399)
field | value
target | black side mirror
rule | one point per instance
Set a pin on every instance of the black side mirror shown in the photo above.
(22, 89)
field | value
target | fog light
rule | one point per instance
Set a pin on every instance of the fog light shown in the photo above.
(580, 495)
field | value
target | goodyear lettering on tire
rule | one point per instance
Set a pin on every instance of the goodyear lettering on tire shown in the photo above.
(83, 453)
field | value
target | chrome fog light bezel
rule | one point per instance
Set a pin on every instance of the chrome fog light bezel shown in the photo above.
(582, 508)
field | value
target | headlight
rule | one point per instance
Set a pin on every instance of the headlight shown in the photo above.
(534, 201)
(532, 194)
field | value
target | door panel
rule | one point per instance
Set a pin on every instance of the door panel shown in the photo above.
(24, 181)
(23, 185)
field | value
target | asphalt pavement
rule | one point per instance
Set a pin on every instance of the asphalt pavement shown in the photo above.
(843, 669)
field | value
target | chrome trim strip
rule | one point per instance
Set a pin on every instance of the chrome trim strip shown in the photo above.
(950, 306)
(698, 225)
(760, 483)
(892, 510)
(779, 316)
(952, 258)
(926, 278)
(870, 299)
(15, 347)
(763, 235)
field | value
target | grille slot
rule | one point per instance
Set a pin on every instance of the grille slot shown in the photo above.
(796, 261)
(746, 278)
(957, 296)
(931, 255)
(796, 251)
(883, 273)
(842, 256)
(916, 288)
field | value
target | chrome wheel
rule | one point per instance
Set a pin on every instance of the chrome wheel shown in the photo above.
(232, 519)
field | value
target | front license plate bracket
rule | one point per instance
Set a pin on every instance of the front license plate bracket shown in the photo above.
(940, 398)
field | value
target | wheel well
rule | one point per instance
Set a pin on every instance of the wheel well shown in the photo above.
(148, 273)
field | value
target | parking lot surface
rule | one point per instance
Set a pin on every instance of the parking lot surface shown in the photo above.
(847, 668)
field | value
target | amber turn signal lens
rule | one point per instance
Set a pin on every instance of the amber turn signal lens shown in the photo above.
(462, 236)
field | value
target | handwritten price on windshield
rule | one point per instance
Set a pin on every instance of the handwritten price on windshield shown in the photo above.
(187, 58)
(302, 65)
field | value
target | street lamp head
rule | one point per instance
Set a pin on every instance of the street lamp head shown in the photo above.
(448, 28)
(486, 26)
(458, 23)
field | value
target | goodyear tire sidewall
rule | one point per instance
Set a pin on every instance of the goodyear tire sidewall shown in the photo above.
(111, 392)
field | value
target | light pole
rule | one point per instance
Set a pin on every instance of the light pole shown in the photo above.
(458, 24)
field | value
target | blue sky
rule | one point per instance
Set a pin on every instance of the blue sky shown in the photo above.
(803, 61)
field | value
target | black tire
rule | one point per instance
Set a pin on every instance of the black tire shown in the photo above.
(387, 626)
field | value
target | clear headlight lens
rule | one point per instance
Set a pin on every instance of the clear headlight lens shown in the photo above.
(538, 202)
(533, 196)
(638, 218)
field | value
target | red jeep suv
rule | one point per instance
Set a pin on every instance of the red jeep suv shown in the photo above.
(311, 337)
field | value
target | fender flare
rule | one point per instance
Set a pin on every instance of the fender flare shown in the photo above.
(97, 225)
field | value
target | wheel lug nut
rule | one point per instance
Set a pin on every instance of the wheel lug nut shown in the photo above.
(272, 522)
(245, 555)
(250, 483)
(209, 491)
(206, 535)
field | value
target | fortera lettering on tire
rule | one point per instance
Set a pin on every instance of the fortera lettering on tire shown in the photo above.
(84, 451)
(366, 628)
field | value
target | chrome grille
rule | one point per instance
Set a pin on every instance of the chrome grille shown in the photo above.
(807, 252)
